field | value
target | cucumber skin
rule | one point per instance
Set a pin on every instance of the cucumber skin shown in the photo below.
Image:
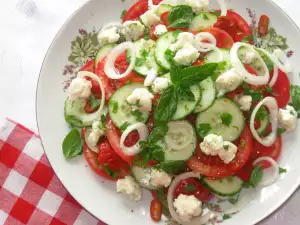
(71, 122)
(151, 188)
(219, 193)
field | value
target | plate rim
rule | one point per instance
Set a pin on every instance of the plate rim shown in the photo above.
(271, 210)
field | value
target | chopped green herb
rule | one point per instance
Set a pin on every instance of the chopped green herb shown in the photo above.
(124, 126)
(243, 142)
(280, 131)
(233, 201)
(295, 94)
(226, 217)
(115, 107)
(94, 102)
(144, 53)
(169, 55)
(255, 94)
(203, 129)
(173, 167)
(261, 113)
(226, 147)
(189, 188)
(109, 172)
(138, 115)
(123, 14)
(247, 39)
(139, 61)
(217, 13)
(269, 90)
(256, 176)
(282, 170)
(205, 17)
(226, 118)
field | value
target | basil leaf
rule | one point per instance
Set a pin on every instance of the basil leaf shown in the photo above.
(172, 167)
(157, 153)
(256, 176)
(72, 144)
(94, 102)
(162, 197)
(73, 120)
(167, 106)
(169, 55)
(226, 118)
(175, 74)
(269, 90)
(158, 133)
(109, 172)
(247, 39)
(123, 14)
(282, 170)
(280, 131)
(266, 59)
(196, 74)
(138, 115)
(189, 188)
(185, 93)
(203, 129)
(180, 16)
(124, 126)
(295, 94)
(115, 106)
(256, 95)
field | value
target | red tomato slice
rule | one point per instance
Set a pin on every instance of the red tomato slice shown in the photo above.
(138, 9)
(89, 66)
(235, 25)
(282, 89)
(213, 166)
(156, 210)
(152, 34)
(191, 186)
(224, 40)
(164, 18)
(113, 136)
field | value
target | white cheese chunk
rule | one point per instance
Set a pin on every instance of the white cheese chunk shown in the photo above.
(160, 178)
(108, 36)
(187, 207)
(187, 55)
(245, 102)
(288, 118)
(95, 134)
(212, 144)
(140, 99)
(228, 153)
(132, 30)
(79, 88)
(160, 30)
(149, 18)
(160, 84)
(130, 188)
(184, 39)
(229, 81)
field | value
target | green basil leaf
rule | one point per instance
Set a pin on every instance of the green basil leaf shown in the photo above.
(255, 94)
(185, 93)
(94, 102)
(175, 74)
(172, 167)
(123, 14)
(280, 131)
(109, 172)
(203, 129)
(169, 55)
(158, 133)
(295, 94)
(282, 170)
(167, 106)
(269, 90)
(226, 118)
(247, 39)
(73, 120)
(157, 153)
(266, 59)
(189, 188)
(256, 176)
(124, 126)
(180, 16)
(72, 144)
(196, 74)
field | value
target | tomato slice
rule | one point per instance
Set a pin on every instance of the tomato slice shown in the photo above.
(152, 34)
(282, 89)
(113, 136)
(191, 186)
(235, 25)
(213, 166)
(155, 210)
(263, 25)
(224, 40)
(89, 66)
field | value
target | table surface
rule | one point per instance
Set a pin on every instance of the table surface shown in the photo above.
(27, 29)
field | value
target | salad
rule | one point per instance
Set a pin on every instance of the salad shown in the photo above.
(179, 101)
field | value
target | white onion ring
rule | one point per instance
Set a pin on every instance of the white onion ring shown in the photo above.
(275, 170)
(272, 105)
(143, 133)
(150, 78)
(223, 7)
(109, 67)
(204, 46)
(170, 198)
(282, 61)
(275, 67)
(94, 115)
(239, 66)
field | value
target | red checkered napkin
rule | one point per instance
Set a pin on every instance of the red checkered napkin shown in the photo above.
(30, 192)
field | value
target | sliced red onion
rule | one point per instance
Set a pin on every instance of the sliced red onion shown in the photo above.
(272, 105)
(170, 198)
(239, 66)
(143, 133)
(275, 171)
(94, 115)
(282, 61)
(109, 67)
(150, 78)
(202, 46)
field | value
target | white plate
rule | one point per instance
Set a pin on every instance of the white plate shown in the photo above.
(99, 196)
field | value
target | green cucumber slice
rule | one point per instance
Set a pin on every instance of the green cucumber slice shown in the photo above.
(162, 8)
(162, 44)
(145, 60)
(203, 20)
(120, 111)
(227, 186)
(143, 177)
(213, 56)
(208, 92)
(212, 116)
(103, 52)
(182, 133)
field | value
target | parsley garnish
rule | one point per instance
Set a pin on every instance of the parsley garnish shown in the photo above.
(256, 176)
(203, 129)
(280, 131)
(124, 126)
(295, 94)
(123, 14)
(261, 113)
(282, 170)
(226, 118)
(109, 172)
(189, 188)
(138, 115)
(94, 102)
(226, 217)
(243, 143)
(115, 107)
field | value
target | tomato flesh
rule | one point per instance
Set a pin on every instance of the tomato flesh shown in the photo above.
(282, 89)
(213, 166)
(89, 66)
(224, 40)
(156, 210)
(192, 186)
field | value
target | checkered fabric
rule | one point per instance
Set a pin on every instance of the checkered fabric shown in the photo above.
(30, 192)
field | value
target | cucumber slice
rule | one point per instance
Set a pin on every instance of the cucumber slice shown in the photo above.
(264, 123)
(203, 20)
(120, 111)
(208, 92)
(162, 8)
(213, 56)
(212, 116)
(227, 186)
(145, 60)
(183, 134)
(143, 177)
(103, 52)
(184, 107)
(162, 44)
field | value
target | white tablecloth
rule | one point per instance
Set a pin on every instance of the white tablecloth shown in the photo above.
(27, 28)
